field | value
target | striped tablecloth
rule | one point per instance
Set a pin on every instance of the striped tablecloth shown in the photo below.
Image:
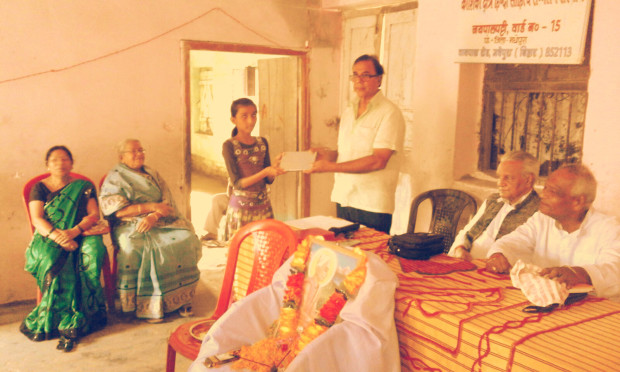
(473, 320)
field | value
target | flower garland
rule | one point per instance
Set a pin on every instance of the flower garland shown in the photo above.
(279, 350)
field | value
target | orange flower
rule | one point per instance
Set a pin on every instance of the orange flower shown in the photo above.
(330, 310)
(280, 350)
(295, 281)
(288, 322)
(294, 288)
(301, 255)
(355, 279)
(261, 356)
(310, 333)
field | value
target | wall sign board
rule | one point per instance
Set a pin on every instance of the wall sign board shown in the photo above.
(522, 31)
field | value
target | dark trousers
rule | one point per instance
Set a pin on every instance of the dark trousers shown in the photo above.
(377, 221)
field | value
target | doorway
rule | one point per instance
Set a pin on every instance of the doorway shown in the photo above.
(275, 79)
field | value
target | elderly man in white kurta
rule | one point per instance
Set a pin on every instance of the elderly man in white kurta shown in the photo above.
(370, 142)
(572, 242)
(504, 211)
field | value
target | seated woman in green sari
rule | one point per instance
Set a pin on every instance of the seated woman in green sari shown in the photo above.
(65, 263)
(158, 249)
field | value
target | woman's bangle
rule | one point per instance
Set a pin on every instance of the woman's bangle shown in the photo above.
(80, 228)
(50, 232)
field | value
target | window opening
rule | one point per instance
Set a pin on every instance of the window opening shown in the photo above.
(535, 108)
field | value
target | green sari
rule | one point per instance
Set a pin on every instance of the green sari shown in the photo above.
(72, 303)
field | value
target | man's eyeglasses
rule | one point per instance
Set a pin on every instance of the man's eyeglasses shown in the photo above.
(363, 77)
(136, 151)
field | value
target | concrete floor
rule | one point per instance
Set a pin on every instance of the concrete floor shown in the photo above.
(125, 344)
(203, 189)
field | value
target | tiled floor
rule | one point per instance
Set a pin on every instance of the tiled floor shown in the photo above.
(124, 345)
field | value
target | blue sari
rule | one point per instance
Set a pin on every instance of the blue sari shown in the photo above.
(157, 270)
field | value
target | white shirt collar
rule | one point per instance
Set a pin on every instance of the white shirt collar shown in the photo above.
(585, 221)
(521, 199)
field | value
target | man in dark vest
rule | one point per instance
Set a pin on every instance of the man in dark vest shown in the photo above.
(501, 212)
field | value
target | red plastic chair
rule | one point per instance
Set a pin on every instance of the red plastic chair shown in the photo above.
(114, 263)
(107, 274)
(274, 242)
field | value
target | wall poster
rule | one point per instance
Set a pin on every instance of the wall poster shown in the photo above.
(522, 31)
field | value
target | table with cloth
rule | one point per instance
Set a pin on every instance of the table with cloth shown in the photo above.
(364, 341)
(452, 315)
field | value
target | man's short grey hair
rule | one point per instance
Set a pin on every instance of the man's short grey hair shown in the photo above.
(530, 163)
(120, 147)
(585, 183)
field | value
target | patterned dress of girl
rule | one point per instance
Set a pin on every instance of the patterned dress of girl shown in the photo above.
(250, 203)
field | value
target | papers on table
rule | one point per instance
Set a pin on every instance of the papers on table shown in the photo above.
(581, 288)
(297, 161)
(322, 222)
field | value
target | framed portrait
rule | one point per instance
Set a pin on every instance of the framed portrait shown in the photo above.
(327, 266)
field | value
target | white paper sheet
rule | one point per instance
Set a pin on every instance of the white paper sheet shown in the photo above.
(297, 161)
(322, 222)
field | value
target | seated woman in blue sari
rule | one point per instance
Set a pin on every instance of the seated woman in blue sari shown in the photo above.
(66, 264)
(159, 251)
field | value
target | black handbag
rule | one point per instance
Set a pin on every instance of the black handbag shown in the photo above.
(416, 246)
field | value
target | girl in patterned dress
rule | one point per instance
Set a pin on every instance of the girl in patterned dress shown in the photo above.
(249, 170)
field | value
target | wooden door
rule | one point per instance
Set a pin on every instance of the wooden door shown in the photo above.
(359, 38)
(398, 45)
(392, 35)
(278, 96)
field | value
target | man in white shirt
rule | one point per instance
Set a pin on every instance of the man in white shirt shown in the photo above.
(501, 212)
(573, 243)
(370, 142)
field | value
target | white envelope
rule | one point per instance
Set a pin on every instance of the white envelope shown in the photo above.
(297, 161)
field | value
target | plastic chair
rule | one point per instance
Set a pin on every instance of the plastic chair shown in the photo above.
(448, 205)
(273, 242)
(114, 263)
(107, 273)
